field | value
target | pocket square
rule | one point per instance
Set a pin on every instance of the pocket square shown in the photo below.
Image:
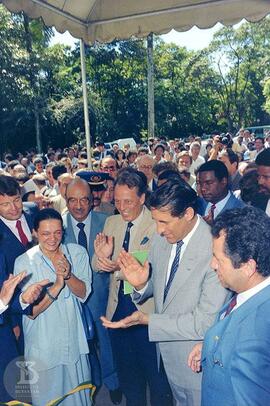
(144, 240)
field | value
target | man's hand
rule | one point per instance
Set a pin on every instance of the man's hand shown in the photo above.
(133, 320)
(107, 265)
(194, 358)
(135, 273)
(103, 245)
(32, 293)
(9, 287)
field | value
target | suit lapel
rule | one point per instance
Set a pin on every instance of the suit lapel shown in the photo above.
(10, 236)
(162, 275)
(187, 264)
(70, 233)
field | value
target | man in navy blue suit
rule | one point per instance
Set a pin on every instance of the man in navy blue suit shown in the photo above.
(17, 303)
(82, 225)
(213, 181)
(235, 359)
(16, 223)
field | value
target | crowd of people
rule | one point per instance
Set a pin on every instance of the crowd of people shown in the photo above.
(147, 273)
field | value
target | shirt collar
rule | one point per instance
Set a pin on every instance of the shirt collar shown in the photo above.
(244, 296)
(86, 221)
(12, 223)
(137, 220)
(190, 234)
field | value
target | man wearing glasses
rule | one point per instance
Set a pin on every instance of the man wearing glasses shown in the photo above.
(82, 224)
(109, 165)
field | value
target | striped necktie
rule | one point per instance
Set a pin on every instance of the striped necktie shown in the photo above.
(174, 268)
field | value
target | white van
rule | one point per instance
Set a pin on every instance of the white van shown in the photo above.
(122, 141)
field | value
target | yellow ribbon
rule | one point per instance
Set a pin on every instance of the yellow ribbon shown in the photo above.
(55, 402)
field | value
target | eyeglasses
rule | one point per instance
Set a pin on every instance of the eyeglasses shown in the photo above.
(83, 201)
(146, 167)
(108, 168)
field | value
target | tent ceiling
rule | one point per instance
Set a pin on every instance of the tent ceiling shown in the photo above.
(106, 20)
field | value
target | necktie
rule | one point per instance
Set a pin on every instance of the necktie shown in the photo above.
(125, 245)
(23, 238)
(174, 268)
(127, 237)
(82, 239)
(212, 211)
(231, 305)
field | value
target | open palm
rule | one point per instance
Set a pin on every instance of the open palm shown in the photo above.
(103, 246)
(135, 273)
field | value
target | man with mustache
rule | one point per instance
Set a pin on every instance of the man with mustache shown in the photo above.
(263, 199)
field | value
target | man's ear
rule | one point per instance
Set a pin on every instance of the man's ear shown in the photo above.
(142, 198)
(189, 213)
(250, 267)
(224, 181)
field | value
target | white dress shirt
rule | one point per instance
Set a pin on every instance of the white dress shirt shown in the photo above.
(219, 205)
(2, 307)
(173, 252)
(86, 222)
(244, 296)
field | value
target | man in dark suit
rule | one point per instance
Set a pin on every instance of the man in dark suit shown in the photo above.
(82, 224)
(235, 358)
(213, 180)
(12, 304)
(145, 164)
(262, 199)
(16, 224)
(231, 160)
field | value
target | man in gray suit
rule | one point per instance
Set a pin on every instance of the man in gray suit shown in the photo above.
(186, 291)
(81, 226)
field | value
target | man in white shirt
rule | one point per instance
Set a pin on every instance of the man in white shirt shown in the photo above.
(235, 358)
(197, 159)
(145, 164)
(186, 291)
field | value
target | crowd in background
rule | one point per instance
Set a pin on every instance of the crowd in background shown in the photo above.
(129, 199)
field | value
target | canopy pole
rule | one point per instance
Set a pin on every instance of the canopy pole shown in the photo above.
(150, 80)
(85, 105)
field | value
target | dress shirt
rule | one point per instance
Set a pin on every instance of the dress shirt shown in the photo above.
(219, 205)
(11, 224)
(195, 164)
(244, 296)
(150, 185)
(184, 246)
(267, 210)
(136, 225)
(76, 229)
(2, 307)
(173, 252)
